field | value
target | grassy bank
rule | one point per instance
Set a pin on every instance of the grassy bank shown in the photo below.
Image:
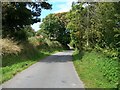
(13, 63)
(96, 70)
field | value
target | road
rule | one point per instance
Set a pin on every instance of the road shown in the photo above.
(55, 71)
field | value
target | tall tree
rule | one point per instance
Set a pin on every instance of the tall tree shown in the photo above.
(55, 28)
(77, 24)
(95, 24)
(16, 15)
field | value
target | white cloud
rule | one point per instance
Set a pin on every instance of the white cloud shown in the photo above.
(36, 26)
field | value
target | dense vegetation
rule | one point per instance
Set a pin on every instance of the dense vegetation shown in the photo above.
(21, 45)
(17, 57)
(96, 70)
(96, 24)
(54, 27)
(17, 15)
(94, 28)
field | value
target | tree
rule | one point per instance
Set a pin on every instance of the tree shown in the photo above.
(62, 17)
(29, 31)
(55, 29)
(107, 23)
(77, 24)
(16, 15)
(94, 24)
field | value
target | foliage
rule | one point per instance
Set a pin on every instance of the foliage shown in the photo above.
(100, 32)
(95, 24)
(55, 28)
(29, 31)
(62, 17)
(76, 25)
(16, 15)
(89, 26)
(107, 25)
(96, 70)
(14, 62)
(45, 43)
(9, 47)
(35, 41)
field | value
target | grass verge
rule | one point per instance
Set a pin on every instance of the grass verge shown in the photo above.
(18, 56)
(14, 64)
(96, 70)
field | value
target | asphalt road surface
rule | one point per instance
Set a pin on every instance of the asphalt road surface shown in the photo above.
(55, 71)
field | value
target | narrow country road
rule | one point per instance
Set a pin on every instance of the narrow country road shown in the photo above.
(55, 71)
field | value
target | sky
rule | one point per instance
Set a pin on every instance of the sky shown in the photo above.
(57, 7)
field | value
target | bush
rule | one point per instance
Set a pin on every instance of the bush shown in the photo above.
(9, 47)
(112, 53)
(18, 57)
(45, 43)
(35, 41)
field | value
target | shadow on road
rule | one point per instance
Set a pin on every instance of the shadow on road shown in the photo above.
(57, 58)
(64, 57)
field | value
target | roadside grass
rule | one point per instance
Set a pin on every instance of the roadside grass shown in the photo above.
(14, 62)
(96, 70)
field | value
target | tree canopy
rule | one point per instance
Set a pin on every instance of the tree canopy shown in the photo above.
(55, 28)
(95, 24)
(16, 15)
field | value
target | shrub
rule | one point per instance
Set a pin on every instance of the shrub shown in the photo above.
(9, 47)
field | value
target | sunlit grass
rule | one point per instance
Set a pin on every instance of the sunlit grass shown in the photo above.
(92, 70)
(17, 57)
(15, 64)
